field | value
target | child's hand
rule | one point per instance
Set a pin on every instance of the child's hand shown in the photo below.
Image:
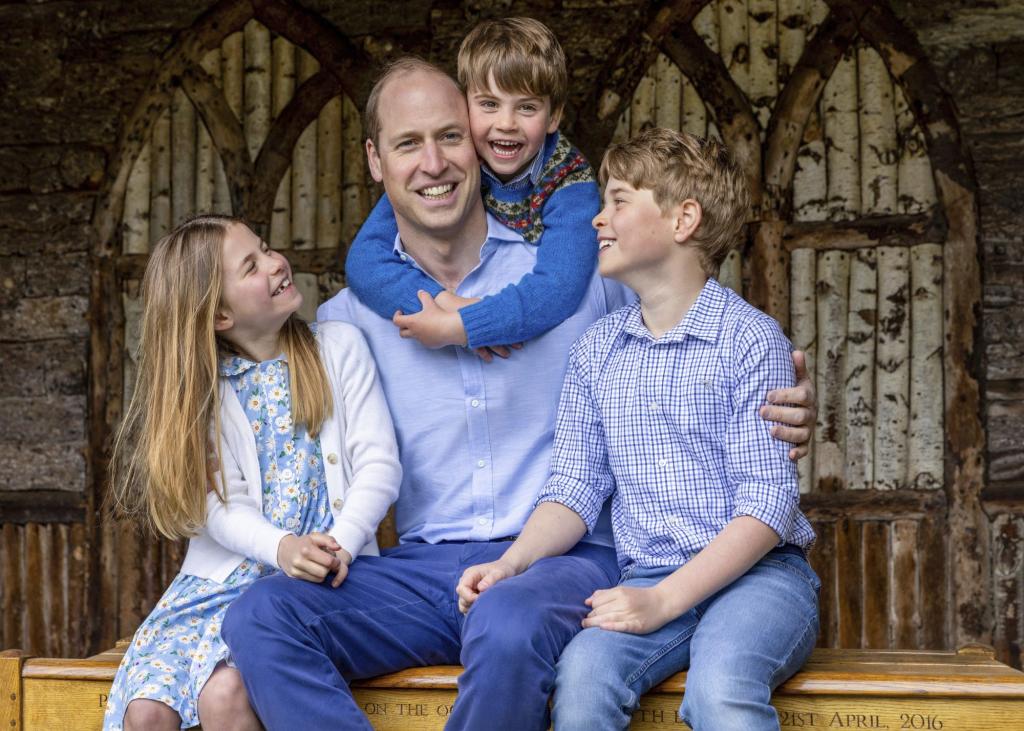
(796, 408)
(628, 609)
(433, 326)
(310, 557)
(341, 573)
(486, 354)
(452, 302)
(478, 579)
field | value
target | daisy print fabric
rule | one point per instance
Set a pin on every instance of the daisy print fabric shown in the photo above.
(178, 646)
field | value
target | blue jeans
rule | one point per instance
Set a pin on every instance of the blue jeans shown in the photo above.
(299, 644)
(738, 645)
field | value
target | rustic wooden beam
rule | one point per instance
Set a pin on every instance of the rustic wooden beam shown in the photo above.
(314, 261)
(794, 105)
(865, 232)
(868, 504)
(276, 154)
(956, 187)
(42, 506)
(627, 62)
(226, 132)
(354, 69)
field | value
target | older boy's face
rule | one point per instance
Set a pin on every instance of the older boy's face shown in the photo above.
(425, 156)
(509, 128)
(634, 237)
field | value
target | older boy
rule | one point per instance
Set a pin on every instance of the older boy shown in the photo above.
(659, 411)
(534, 182)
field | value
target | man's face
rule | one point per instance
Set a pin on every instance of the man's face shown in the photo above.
(424, 154)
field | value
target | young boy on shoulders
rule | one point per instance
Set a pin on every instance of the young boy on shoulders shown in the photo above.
(659, 412)
(534, 181)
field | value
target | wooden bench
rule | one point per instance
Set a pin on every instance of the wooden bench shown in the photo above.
(838, 689)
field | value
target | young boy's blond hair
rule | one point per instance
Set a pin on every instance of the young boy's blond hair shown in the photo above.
(676, 166)
(523, 55)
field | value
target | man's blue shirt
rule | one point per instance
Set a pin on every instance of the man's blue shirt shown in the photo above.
(475, 438)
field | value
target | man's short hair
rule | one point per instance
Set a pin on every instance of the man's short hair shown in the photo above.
(398, 67)
(523, 55)
(676, 166)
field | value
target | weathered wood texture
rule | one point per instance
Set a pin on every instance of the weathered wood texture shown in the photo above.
(94, 122)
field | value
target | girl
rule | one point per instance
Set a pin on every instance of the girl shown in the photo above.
(303, 466)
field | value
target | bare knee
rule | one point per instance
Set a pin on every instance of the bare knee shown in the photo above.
(143, 714)
(224, 704)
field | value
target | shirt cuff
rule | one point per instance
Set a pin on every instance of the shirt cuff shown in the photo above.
(266, 543)
(771, 504)
(584, 508)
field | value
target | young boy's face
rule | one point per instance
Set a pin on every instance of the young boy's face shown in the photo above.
(508, 128)
(634, 236)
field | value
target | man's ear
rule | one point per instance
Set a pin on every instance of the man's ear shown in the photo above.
(373, 160)
(686, 220)
(222, 320)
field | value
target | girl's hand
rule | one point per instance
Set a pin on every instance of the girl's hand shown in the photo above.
(628, 609)
(341, 574)
(480, 578)
(310, 557)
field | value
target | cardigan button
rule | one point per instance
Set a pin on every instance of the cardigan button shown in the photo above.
(338, 502)
(332, 458)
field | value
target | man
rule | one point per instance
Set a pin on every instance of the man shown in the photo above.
(474, 440)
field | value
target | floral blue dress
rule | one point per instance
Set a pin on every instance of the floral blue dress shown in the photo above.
(179, 645)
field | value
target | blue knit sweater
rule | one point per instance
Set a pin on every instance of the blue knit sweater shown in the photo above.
(554, 211)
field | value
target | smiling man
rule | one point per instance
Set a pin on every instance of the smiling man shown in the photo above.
(475, 441)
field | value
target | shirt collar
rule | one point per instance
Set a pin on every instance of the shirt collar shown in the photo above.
(702, 320)
(496, 232)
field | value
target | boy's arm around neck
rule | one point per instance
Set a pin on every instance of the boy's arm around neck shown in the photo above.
(543, 298)
(381, 280)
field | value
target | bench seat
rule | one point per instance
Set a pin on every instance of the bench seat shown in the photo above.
(838, 689)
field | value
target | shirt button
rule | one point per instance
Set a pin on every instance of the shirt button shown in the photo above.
(662, 462)
(480, 463)
(474, 403)
(338, 502)
(481, 521)
(654, 407)
(403, 257)
(332, 458)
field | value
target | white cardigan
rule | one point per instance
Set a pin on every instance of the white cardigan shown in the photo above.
(360, 462)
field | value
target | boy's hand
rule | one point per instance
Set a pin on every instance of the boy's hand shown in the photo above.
(478, 579)
(433, 326)
(628, 609)
(796, 408)
(486, 354)
(310, 557)
(341, 573)
(452, 302)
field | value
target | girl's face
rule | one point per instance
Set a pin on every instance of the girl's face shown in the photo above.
(258, 295)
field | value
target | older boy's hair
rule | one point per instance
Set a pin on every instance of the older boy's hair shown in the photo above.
(522, 53)
(398, 67)
(676, 166)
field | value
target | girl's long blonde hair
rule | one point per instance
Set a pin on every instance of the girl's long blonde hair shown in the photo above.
(162, 464)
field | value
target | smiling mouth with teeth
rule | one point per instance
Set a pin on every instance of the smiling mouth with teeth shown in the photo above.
(281, 287)
(437, 192)
(502, 148)
(604, 244)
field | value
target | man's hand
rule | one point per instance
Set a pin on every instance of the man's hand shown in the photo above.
(486, 354)
(310, 557)
(341, 573)
(628, 609)
(478, 579)
(433, 326)
(796, 408)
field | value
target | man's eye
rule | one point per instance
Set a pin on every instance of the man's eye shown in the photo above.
(452, 137)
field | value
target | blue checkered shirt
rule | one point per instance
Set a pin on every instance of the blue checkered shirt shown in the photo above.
(669, 428)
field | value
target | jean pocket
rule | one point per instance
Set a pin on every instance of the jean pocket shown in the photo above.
(796, 564)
